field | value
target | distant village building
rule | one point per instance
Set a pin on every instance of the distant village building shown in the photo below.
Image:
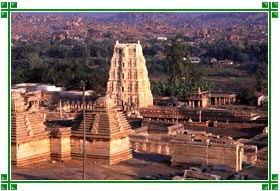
(198, 98)
(214, 61)
(128, 83)
(217, 98)
(234, 37)
(205, 98)
(161, 38)
(226, 62)
(195, 60)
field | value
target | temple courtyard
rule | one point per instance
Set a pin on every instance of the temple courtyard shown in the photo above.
(141, 167)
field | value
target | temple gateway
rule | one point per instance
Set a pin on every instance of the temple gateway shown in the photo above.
(128, 83)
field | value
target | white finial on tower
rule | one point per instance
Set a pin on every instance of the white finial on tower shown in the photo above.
(117, 42)
(138, 41)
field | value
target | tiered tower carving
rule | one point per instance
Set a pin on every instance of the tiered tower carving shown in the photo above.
(128, 83)
(107, 134)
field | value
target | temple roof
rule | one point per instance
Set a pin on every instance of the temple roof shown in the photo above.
(104, 102)
(104, 121)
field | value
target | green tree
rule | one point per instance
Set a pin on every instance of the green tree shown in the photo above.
(261, 76)
(247, 95)
(58, 52)
(150, 51)
(179, 65)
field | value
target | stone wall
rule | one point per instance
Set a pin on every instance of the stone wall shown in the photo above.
(156, 144)
(102, 150)
(154, 139)
(250, 154)
(97, 149)
(30, 152)
(194, 147)
(185, 114)
(190, 152)
(60, 143)
(186, 150)
(119, 150)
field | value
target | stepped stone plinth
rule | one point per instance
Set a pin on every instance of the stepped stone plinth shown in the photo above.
(29, 139)
(107, 132)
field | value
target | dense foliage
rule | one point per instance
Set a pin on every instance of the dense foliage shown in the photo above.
(67, 62)
(63, 64)
(180, 89)
(179, 64)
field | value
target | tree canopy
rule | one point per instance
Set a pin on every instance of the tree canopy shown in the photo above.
(179, 64)
(62, 64)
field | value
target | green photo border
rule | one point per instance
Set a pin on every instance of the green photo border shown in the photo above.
(9, 7)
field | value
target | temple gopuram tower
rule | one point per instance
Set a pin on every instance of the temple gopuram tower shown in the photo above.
(128, 83)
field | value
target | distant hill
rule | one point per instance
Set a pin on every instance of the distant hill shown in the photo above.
(234, 18)
(177, 19)
(140, 18)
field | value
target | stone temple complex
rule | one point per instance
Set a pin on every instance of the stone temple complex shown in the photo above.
(50, 125)
(30, 140)
(128, 83)
(107, 132)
